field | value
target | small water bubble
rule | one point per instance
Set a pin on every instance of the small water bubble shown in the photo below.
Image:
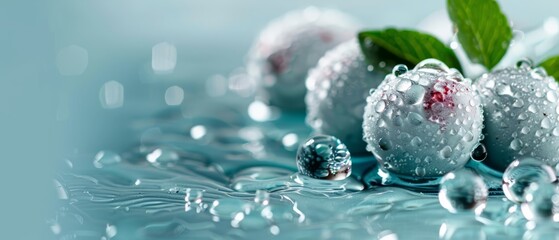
(174, 95)
(463, 190)
(518, 103)
(274, 230)
(403, 85)
(262, 197)
(110, 231)
(522, 116)
(525, 130)
(468, 137)
(399, 70)
(490, 84)
(111, 95)
(104, 158)
(521, 173)
(162, 155)
(538, 73)
(416, 141)
(198, 132)
(446, 152)
(380, 106)
(545, 123)
(479, 153)
(524, 64)
(414, 118)
(515, 144)
(504, 90)
(532, 108)
(551, 96)
(414, 95)
(541, 201)
(420, 171)
(324, 157)
(385, 144)
(290, 140)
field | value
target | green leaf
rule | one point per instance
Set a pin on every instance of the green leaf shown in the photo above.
(551, 66)
(392, 46)
(483, 30)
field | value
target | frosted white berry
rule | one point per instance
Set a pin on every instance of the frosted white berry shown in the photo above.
(521, 115)
(336, 91)
(423, 123)
(288, 47)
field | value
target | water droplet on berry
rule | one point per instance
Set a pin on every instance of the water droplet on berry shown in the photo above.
(524, 64)
(399, 70)
(446, 152)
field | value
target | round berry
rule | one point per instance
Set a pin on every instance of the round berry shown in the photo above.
(423, 123)
(336, 93)
(521, 110)
(288, 47)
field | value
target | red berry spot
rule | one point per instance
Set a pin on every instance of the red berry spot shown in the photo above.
(442, 94)
(326, 37)
(279, 61)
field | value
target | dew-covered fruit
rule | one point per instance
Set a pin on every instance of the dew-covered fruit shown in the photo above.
(521, 110)
(463, 190)
(324, 157)
(336, 91)
(521, 173)
(423, 123)
(288, 47)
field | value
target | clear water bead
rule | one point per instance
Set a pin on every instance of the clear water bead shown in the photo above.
(399, 70)
(541, 201)
(463, 190)
(324, 157)
(479, 153)
(104, 158)
(521, 173)
(525, 64)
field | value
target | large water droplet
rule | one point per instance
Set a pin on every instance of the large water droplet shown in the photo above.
(521, 173)
(463, 190)
(324, 157)
(479, 153)
(541, 201)
(431, 65)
